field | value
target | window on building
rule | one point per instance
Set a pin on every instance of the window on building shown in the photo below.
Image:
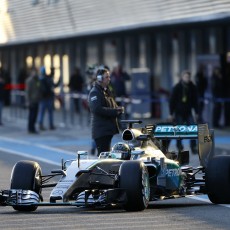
(29, 62)
(65, 73)
(37, 62)
(47, 63)
(56, 65)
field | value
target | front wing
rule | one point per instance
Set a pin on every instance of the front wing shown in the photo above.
(18, 197)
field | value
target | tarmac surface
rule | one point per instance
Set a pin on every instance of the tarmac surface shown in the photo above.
(72, 134)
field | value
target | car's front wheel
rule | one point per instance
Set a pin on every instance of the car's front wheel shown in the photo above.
(26, 175)
(134, 178)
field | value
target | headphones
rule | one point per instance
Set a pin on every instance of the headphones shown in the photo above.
(100, 74)
(100, 78)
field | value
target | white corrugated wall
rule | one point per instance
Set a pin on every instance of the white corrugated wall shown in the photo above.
(21, 21)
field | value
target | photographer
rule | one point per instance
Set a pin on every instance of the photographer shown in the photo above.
(104, 111)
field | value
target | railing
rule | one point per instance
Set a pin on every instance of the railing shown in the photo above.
(67, 114)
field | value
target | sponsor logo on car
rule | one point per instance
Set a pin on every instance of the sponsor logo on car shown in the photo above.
(178, 128)
(176, 131)
(172, 172)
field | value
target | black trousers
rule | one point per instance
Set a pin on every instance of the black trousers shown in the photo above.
(217, 113)
(186, 121)
(103, 144)
(33, 112)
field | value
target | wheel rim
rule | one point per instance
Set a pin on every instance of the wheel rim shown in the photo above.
(145, 187)
(37, 182)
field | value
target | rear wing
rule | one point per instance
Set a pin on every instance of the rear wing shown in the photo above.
(164, 131)
(201, 132)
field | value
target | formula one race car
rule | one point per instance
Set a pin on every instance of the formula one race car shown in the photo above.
(135, 172)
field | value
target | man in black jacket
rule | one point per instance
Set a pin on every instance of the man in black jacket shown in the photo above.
(104, 111)
(33, 96)
(184, 99)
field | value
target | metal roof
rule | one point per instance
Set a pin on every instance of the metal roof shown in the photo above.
(23, 21)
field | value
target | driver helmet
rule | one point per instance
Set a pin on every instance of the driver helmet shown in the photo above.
(121, 151)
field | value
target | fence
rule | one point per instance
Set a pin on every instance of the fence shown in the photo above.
(65, 107)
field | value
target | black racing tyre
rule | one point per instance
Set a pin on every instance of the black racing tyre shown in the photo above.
(218, 179)
(26, 175)
(134, 178)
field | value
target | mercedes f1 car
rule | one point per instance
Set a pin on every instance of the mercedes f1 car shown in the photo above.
(136, 171)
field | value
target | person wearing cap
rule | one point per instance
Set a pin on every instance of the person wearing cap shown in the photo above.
(104, 111)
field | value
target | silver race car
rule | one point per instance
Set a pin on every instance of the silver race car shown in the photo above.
(136, 171)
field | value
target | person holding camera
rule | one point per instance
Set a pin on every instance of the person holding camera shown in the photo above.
(104, 111)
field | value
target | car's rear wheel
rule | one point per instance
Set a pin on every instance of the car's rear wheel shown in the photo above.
(218, 179)
(26, 175)
(134, 178)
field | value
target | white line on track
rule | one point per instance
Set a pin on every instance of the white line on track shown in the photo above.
(37, 145)
(205, 198)
(28, 156)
